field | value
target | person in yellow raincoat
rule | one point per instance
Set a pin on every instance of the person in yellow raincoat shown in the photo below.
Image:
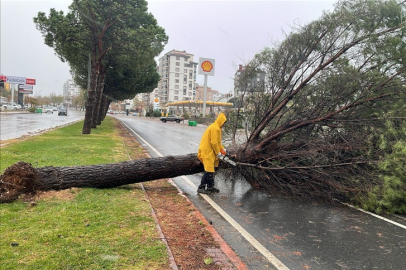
(209, 150)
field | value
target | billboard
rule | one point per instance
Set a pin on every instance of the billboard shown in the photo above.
(17, 80)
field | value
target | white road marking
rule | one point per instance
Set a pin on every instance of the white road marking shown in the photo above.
(254, 242)
(193, 143)
(377, 216)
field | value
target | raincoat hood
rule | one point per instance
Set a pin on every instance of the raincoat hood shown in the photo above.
(221, 119)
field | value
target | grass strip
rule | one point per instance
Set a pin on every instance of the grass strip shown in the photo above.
(78, 228)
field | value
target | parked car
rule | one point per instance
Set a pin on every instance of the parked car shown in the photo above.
(63, 111)
(173, 118)
(49, 109)
(9, 107)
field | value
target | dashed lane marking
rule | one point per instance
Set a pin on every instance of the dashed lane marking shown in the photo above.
(377, 216)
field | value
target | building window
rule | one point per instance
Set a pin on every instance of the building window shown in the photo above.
(184, 90)
(176, 98)
(177, 69)
(176, 80)
(176, 74)
(190, 93)
(176, 86)
(177, 57)
(176, 92)
(185, 71)
(177, 63)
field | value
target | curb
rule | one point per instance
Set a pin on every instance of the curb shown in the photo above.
(225, 248)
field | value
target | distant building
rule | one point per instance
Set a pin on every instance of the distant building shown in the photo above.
(70, 90)
(248, 83)
(178, 77)
(211, 95)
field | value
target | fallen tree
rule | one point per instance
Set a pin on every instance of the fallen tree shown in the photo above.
(316, 108)
(23, 178)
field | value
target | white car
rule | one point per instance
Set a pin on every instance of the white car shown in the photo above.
(9, 106)
(49, 109)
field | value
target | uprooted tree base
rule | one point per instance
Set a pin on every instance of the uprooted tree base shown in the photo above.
(18, 179)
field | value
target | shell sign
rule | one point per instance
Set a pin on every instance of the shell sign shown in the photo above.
(206, 66)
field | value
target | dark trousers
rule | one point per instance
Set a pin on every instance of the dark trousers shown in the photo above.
(207, 180)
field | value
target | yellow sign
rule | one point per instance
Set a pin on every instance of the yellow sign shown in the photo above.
(207, 66)
(156, 100)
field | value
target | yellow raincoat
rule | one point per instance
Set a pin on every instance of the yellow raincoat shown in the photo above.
(210, 144)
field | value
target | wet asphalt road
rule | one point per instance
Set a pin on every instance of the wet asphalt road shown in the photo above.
(300, 235)
(16, 124)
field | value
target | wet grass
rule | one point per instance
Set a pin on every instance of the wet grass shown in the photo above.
(66, 146)
(78, 228)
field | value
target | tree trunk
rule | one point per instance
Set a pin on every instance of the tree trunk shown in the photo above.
(89, 112)
(23, 178)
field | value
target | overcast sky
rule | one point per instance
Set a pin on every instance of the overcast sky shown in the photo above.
(231, 32)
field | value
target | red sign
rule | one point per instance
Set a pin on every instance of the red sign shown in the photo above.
(30, 81)
(3, 78)
(25, 91)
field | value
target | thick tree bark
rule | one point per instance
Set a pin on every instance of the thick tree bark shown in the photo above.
(22, 178)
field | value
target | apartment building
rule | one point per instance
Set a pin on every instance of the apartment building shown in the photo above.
(70, 90)
(178, 77)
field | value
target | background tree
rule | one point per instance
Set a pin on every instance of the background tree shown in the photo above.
(110, 32)
(55, 99)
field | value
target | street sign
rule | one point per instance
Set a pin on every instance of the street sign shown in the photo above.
(30, 81)
(15, 80)
(25, 91)
(206, 66)
(26, 87)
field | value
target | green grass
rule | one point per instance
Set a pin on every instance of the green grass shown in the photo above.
(67, 147)
(80, 228)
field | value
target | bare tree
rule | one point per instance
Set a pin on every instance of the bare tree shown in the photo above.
(309, 120)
